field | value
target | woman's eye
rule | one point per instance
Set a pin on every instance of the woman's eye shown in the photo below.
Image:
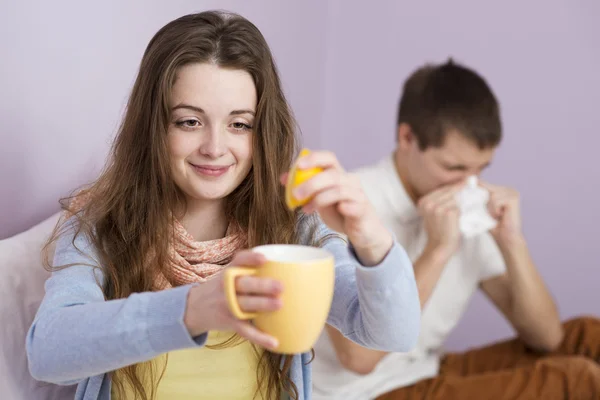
(188, 123)
(240, 126)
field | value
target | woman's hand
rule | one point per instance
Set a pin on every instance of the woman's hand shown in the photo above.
(339, 199)
(207, 308)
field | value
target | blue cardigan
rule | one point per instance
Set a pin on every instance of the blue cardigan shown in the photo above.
(78, 337)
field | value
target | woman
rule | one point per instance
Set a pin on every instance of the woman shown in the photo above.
(194, 179)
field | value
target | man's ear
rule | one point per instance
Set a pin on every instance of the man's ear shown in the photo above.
(406, 138)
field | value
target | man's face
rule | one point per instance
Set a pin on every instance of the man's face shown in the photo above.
(435, 167)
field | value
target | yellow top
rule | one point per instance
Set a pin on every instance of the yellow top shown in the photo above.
(205, 373)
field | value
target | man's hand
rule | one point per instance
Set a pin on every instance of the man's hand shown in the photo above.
(504, 205)
(440, 213)
(520, 294)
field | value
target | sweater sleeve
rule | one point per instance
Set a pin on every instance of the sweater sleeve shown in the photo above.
(76, 334)
(377, 306)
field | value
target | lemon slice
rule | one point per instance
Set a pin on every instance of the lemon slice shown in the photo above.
(295, 178)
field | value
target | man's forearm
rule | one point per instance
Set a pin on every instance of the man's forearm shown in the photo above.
(535, 315)
(353, 356)
(428, 269)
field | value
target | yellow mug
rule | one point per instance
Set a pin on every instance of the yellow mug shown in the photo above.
(308, 275)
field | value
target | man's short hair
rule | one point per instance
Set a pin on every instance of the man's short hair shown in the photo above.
(439, 98)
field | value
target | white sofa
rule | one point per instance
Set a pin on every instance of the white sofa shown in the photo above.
(22, 278)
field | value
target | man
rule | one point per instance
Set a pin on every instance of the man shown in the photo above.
(448, 129)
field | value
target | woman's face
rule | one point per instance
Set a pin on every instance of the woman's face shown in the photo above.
(210, 130)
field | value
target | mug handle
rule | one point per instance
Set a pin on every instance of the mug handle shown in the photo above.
(231, 274)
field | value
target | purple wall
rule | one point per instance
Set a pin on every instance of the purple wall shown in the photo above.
(66, 69)
(542, 59)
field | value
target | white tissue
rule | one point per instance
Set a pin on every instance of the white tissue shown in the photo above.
(474, 216)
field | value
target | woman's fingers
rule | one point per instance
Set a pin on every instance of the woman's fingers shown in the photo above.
(258, 286)
(259, 303)
(248, 258)
(319, 159)
(254, 335)
(318, 183)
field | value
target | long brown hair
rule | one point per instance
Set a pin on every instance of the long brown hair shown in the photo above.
(132, 203)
